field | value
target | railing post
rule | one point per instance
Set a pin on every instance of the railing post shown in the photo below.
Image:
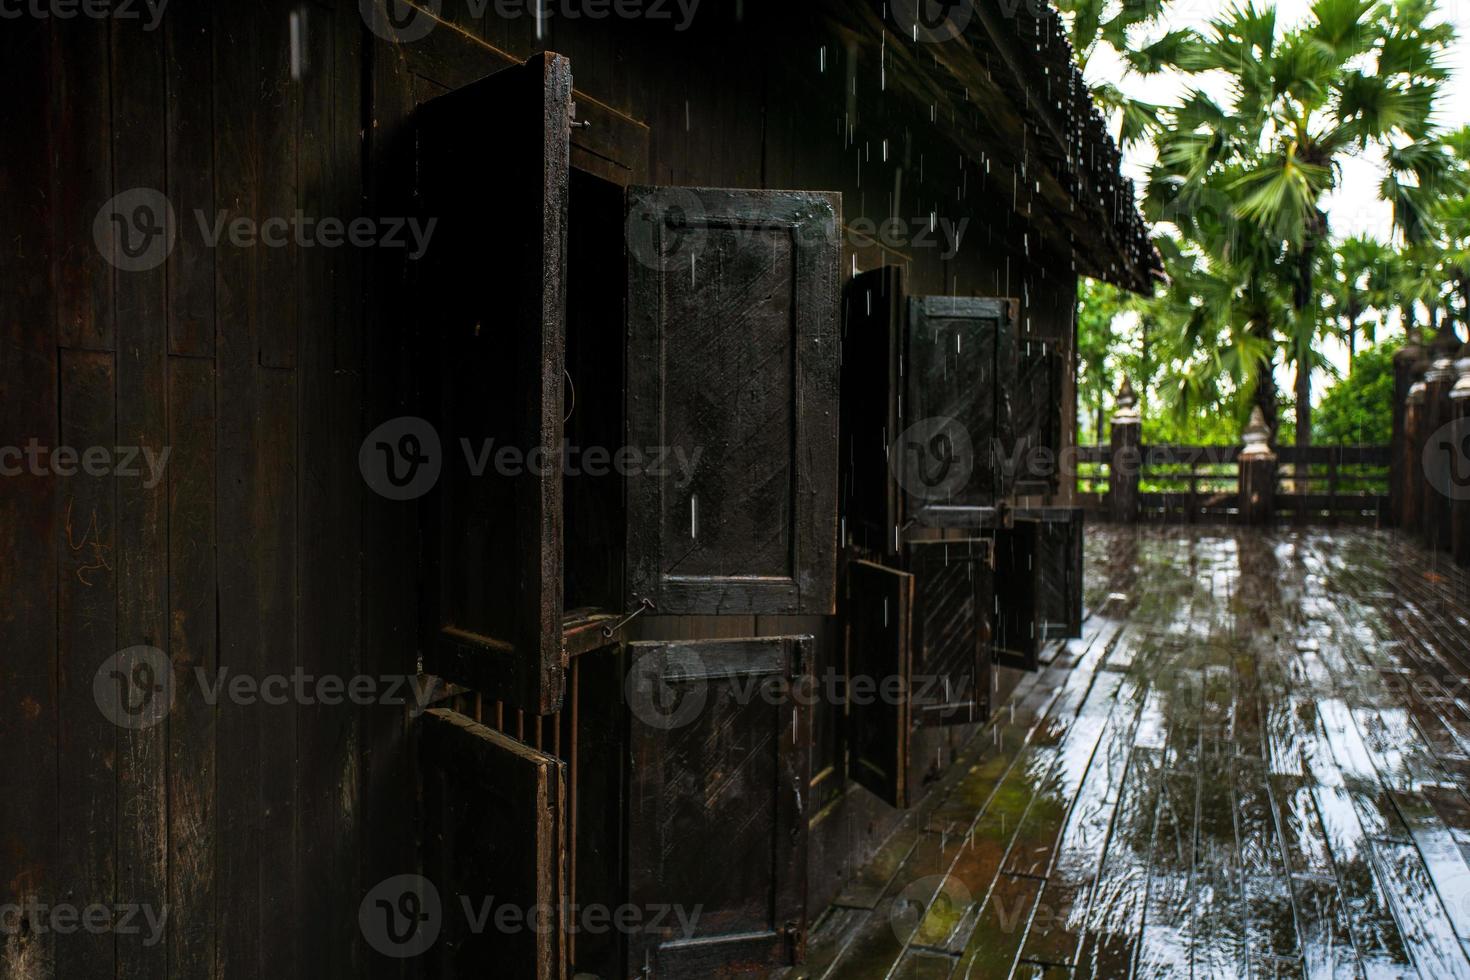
(1438, 413)
(1404, 361)
(1126, 462)
(1460, 505)
(1257, 468)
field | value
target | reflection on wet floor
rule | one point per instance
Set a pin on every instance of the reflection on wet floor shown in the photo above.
(1254, 764)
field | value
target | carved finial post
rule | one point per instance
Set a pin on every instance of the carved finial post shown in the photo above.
(1257, 472)
(1126, 463)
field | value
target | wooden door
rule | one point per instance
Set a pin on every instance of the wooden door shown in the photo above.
(732, 384)
(960, 362)
(494, 827)
(868, 498)
(717, 828)
(493, 174)
(879, 628)
(1017, 641)
(951, 673)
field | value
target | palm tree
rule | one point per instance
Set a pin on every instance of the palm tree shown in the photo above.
(1354, 285)
(1358, 75)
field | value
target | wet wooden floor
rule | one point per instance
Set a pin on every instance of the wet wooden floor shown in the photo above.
(1254, 764)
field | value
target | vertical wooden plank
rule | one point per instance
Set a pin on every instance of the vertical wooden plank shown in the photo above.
(192, 760)
(388, 364)
(138, 159)
(327, 493)
(81, 176)
(277, 112)
(28, 515)
(238, 881)
(86, 620)
(189, 68)
(277, 108)
(280, 935)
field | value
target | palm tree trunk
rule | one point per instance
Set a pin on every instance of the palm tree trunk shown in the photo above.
(1304, 298)
(1266, 400)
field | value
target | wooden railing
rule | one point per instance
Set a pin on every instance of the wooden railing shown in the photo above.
(1173, 483)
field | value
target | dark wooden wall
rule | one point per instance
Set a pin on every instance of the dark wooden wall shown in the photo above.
(261, 369)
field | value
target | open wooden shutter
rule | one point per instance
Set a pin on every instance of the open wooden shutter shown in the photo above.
(872, 323)
(493, 172)
(879, 627)
(717, 795)
(494, 830)
(1036, 418)
(732, 375)
(1059, 578)
(960, 361)
(951, 676)
(1017, 640)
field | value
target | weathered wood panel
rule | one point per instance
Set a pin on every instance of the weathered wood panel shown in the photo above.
(879, 626)
(496, 583)
(728, 744)
(494, 813)
(751, 527)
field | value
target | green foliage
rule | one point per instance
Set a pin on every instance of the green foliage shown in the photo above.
(1358, 409)
(1256, 278)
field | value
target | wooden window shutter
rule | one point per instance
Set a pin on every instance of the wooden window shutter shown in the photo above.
(494, 813)
(878, 613)
(872, 329)
(1037, 418)
(951, 667)
(493, 172)
(958, 365)
(708, 743)
(732, 375)
(1059, 579)
(1017, 639)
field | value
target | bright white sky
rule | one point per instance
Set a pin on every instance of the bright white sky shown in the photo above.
(1355, 207)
